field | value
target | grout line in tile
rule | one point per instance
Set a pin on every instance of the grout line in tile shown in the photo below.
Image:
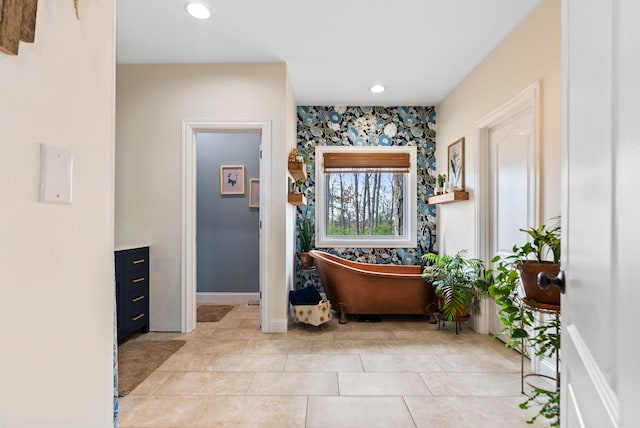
(306, 415)
(406, 405)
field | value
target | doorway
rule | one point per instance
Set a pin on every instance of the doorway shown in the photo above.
(188, 280)
(227, 232)
(508, 175)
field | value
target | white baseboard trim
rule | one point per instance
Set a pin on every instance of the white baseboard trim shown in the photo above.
(548, 367)
(278, 326)
(215, 297)
(481, 320)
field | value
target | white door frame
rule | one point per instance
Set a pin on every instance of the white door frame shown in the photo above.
(188, 232)
(526, 99)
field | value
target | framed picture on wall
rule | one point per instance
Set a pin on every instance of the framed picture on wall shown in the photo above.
(254, 193)
(232, 180)
(455, 162)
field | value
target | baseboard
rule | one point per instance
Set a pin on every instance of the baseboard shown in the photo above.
(278, 326)
(481, 320)
(548, 367)
(226, 298)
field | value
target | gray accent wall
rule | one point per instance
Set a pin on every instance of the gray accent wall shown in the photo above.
(227, 229)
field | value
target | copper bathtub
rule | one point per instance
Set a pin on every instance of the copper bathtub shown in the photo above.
(365, 288)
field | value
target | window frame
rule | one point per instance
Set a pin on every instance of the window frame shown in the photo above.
(410, 237)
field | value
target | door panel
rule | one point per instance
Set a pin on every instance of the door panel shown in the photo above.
(589, 343)
(511, 148)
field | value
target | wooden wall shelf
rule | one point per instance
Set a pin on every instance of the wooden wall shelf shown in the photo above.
(298, 170)
(449, 197)
(297, 199)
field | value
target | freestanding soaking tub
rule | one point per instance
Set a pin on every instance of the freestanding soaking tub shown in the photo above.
(365, 288)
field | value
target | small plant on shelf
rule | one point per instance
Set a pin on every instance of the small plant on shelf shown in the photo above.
(439, 190)
(297, 185)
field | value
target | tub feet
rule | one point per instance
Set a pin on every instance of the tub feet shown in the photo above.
(343, 315)
(431, 308)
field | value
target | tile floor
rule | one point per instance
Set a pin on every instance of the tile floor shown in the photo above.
(401, 372)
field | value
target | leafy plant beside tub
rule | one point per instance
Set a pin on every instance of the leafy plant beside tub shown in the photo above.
(459, 283)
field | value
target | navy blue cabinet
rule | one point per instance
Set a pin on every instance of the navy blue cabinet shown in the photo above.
(132, 291)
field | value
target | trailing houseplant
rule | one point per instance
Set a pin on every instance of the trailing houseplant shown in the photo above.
(522, 332)
(306, 234)
(520, 327)
(459, 282)
(518, 319)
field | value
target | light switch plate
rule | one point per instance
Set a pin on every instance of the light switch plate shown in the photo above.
(56, 175)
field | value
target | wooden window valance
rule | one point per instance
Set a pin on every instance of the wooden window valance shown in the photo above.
(359, 161)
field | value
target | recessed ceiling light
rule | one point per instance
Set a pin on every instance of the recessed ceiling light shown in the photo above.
(198, 10)
(376, 89)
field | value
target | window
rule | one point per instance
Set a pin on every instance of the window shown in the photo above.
(366, 197)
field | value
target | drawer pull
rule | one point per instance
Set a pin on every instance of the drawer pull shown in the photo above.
(137, 317)
(137, 299)
(137, 280)
(137, 262)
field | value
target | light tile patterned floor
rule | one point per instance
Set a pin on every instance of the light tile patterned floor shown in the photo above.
(401, 372)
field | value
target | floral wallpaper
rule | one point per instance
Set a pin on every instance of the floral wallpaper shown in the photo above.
(372, 126)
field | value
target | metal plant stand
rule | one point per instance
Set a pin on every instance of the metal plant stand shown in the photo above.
(553, 310)
(457, 320)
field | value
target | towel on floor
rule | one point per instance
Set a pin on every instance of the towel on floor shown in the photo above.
(305, 296)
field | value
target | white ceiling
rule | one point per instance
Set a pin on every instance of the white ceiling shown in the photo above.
(334, 49)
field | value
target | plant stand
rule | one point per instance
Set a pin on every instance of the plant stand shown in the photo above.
(457, 320)
(548, 309)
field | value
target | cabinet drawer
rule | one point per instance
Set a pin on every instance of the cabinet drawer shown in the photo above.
(132, 260)
(128, 325)
(133, 313)
(133, 305)
(129, 321)
(133, 282)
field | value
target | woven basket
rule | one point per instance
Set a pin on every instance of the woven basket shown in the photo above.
(313, 314)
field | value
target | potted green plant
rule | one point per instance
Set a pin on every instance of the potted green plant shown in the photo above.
(521, 332)
(532, 258)
(306, 235)
(439, 190)
(459, 283)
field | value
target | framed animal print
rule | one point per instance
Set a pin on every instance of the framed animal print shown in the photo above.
(232, 180)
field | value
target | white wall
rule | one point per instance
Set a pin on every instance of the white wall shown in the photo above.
(152, 102)
(530, 53)
(56, 280)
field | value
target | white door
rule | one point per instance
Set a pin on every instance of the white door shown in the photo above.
(511, 147)
(601, 160)
(508, 139)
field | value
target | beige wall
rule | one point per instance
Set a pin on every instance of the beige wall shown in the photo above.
(152, 101)
(56, 280)
(530, 53)
(291, 209)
